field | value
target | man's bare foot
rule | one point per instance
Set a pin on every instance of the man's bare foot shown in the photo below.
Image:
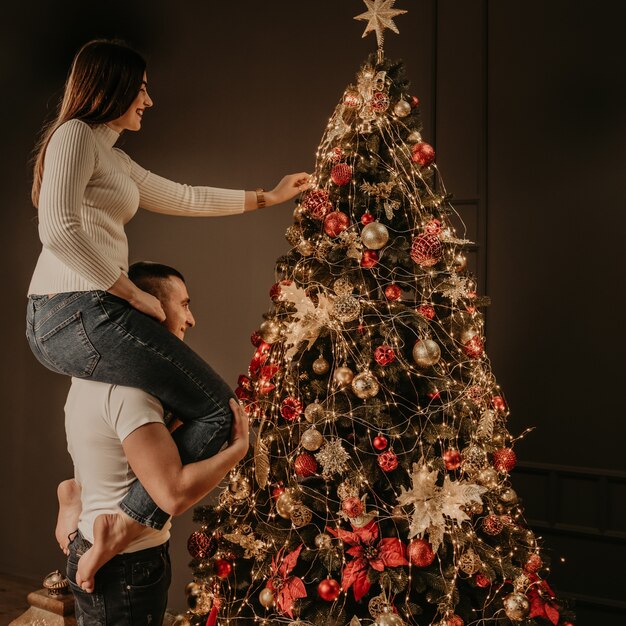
(68, 493)
(112, 532)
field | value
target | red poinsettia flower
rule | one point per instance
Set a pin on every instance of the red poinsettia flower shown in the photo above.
(368, 553)
(286, 588)
(542, 600)
(261, 355)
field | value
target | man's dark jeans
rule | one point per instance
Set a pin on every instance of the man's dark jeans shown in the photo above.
(131, 589)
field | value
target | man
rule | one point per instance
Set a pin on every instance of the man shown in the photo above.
(116, 434)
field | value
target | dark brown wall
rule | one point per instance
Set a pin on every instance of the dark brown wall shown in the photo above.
(524, 101)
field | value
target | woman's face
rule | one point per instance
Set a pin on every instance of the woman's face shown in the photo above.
(131, 120)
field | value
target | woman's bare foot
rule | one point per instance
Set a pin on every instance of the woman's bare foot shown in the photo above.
(112, 532)
(68, 493)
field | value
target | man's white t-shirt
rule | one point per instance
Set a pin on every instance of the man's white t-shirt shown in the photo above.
(98, 417)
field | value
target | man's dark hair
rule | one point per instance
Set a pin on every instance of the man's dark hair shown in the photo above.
(151, 277)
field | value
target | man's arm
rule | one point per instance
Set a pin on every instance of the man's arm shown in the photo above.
(153, 456)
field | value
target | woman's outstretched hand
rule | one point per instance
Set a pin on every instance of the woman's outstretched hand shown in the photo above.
(289, 187)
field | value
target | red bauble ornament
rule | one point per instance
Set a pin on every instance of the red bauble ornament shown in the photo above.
(393, 292)
(352, 506)
(492, 525)
(420, 553)
(317, 204)
(276, 491)
(380, 442)
(335, 223)
(305, 465)
(223, 568)
(388, 461)
(275, 290)
(341, 174)
(336, 154)
(481, 581)
(453, 620)
(422, 153)
(329, 590)
(475, 347)
(497, 402)
(383, 355)
(380, 102)
(414, 102)
(433, 227)
(452, 459)
(291, 408)
(367, 218)
(256, 339)
(369, 259)
(504, 459)
(426, 250)
(201, 546)
(534, 564)
(426, 310)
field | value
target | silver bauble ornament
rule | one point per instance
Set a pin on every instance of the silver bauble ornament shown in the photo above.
(343, 376)
(266, 598)
(516, 606)
(311, 439)
(320, 365)
(374, 235)
(346, 308)
(426, 352)
(323, 541)
(402, 108)
(314, 413)
(285, 503)
(365, 385)
(270, 331)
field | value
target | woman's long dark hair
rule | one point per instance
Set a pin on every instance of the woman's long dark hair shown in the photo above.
(104, 79)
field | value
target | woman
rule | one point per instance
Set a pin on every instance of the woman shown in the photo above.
(85, 317)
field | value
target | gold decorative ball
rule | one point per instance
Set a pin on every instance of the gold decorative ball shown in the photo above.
(389, 619)
(469, 562)
(516, 606)
(346, 308)
(311, 439)
(305, 248)
(192, 588)
(343, 287)
(266, 598)
(285, 503)
(323, 541)
(487, 477)
(293, 235)
(298, 214)
(509, 496)
(365, 385)
(426, 352)
(301, 515)
(402, 108)
(415, 137)
(239, 487)
(314, 413)
(374, 235)
(343, 376)
(270, 331)
(320, 365)
(460, 262)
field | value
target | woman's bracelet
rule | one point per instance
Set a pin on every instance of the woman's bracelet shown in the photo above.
(260, 198)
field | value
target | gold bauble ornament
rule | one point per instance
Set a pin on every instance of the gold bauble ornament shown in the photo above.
(300, 515)
(239, 487)
(323, 541)
(343, 376)
(516, 606)
(374, 235)
(509, 496)
(266, 598)
(293, 235)
(402, 108)
(343, 287)
(469, 562)
(314, 413)
(311, 439)
(285, 503)
(460, 263)
(487, 477)
(365, 385)
(426, 352)
(389, 619)
(305, 248)
(298, 214)
(346, 308)
(320, 365)
(414, 137)
(270, 331)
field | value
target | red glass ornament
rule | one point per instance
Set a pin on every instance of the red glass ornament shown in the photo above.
(380, 102)
(504, 459)
(393, 292)
(422, 153)
(414, 102)
(453, 620)
(420, 553)
(426, 310)
(335, 223)
(433, 227)
(383, 355)
(533, 564)
(305, 465)
(291, 408)
(369, 259)
(201, 546)
(352, 506)
(497, 402)
(475, 347)
(317, 203)
(276, 491)
(223, 568)
(426, 250)
(492, 525)
(367, 218)
(329, 589)
(380, 442)
(336, 154)
(481, 581)
(452, 459)
(341, 174)
(388, 461)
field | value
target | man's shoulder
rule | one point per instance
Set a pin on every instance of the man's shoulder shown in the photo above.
(113, 393)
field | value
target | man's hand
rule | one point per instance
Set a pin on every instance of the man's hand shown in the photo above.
(240, 433)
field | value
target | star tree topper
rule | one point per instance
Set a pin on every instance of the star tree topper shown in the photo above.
(379, 16)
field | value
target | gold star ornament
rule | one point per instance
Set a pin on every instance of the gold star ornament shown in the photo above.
(379, 16)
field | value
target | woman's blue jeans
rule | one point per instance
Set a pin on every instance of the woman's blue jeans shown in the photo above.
(96, 335)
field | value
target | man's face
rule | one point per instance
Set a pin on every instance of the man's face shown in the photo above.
(175, 302)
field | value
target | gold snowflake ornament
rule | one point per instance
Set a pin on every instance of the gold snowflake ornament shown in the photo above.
(379, 16)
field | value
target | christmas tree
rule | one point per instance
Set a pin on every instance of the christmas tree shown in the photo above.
(377, 490)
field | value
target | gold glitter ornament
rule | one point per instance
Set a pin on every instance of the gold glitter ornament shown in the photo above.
(487, 477)
(374, 235)
(469, 562)
(305, 248)
(270, 331)
(323, 541)
(516, 606)
(266, 598)
(377, 606)
(509, 496)
(293, 235)
(320, 365)
(365, 385)
(285, 504)
(402, 108)
(343, 376)
(346, 308)
(389, 619)
(314, 413)
(426, 352)
(239, 487)
(311, 439)
(343, 287)
(300, 515)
